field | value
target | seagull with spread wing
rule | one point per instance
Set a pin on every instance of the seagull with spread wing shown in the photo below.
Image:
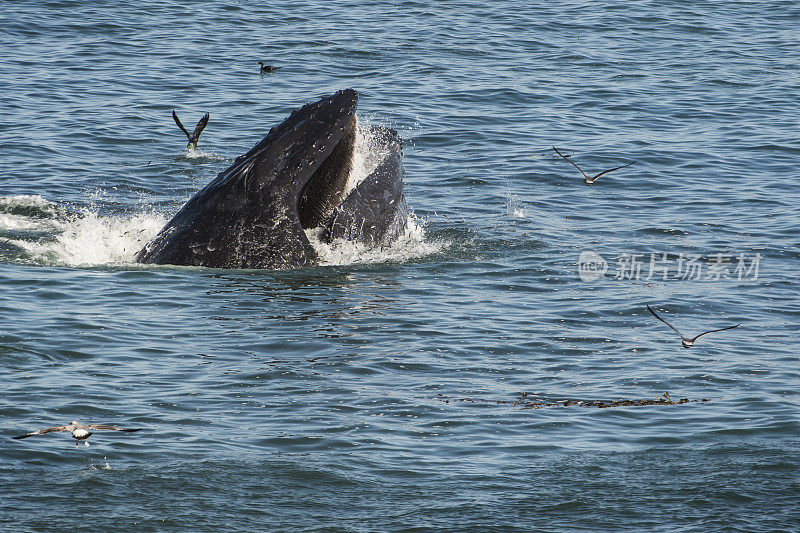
(195, 136)
(80, 432)
(586, 179)
(686, 342)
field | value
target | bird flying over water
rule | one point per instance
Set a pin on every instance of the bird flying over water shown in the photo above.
(686, 342)
(265, 69)
(586, 179)
(193, 138)
(80, 432)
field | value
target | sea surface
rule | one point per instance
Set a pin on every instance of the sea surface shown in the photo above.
(449, 382)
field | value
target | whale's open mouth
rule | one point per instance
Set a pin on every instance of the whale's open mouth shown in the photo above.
(340, 198)
(325, 189)
(255, 213)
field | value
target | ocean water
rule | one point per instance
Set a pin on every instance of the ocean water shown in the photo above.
(420, 387)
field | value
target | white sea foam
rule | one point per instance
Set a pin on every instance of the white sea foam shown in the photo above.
(8, 203)
(78, 239)
(413, 244)
(12, 222)
(197, 153)
(92, 239)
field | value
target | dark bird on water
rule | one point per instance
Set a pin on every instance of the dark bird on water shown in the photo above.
(586, 179)
(197, 130)
(266, 69)
(80, 432)
(686, 342)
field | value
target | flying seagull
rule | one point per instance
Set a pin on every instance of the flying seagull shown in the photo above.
(265, 69)
(80, 432)
(586, 179)
(688, 343)
(197, 130)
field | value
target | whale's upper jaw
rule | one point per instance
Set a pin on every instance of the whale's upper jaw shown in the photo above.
(293, 150)
(324, 190)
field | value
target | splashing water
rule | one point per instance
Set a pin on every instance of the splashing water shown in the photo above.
(102, 466)
(14, 203)
(49, 234)
(411, 245)
(35, 230)
(369, 150)
(514, 207)
(97, 240)
(197, 153)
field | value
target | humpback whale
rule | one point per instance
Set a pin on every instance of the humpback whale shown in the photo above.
(255, 213)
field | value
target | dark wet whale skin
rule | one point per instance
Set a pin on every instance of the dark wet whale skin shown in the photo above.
(253, 214)
(375, 212)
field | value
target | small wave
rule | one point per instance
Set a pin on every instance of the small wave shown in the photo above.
(23, 200)
(29, 205)
(101, 466)
(27, 215)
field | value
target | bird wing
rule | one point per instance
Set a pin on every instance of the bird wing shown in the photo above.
(200, 127)
(571, 163)
(178, 122)
(110, 428)
(713, 330)
(42, 432)
(612, 169)
(664, 321)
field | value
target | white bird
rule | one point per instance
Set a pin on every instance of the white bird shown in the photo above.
(686, 342)
(586, 179)
(80, 432)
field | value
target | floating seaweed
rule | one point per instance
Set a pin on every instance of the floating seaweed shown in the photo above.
(600, 404)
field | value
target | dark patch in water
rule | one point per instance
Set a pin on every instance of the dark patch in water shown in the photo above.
(663, 231)
(600, 404)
